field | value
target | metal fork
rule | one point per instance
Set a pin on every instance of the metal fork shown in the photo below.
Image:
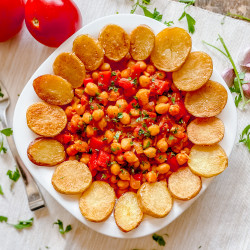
(34, 195)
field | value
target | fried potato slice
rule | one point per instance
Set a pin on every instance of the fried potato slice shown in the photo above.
(128, 213)
(183, 184)
(89, 50)
(142, 40)
(155, 199)
(46, 152)
(97, 203)
(45, 119)
(70, 67)
(115, 42)
(71, 177)
(205, 131)
(195, 72)
(172, 46)
(207, 101)
(207, 161)
(53, 89)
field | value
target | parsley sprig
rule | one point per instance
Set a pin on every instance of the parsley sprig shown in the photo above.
(1, 190)
(238, 16)
(13, 175)
(245, 136)
(159, 239)
(20, 225)
(6, 132)
(1, 94)
(60, 225)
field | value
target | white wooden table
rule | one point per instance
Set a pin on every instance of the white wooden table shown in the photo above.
(220, 219)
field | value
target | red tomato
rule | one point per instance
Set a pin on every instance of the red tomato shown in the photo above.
(51, 22)
(11, 18)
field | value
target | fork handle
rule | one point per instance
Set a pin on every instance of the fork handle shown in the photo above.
(35, 198)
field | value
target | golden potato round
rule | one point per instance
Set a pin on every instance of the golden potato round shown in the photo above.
(46, 152)
(207, 161)
(195, 72)
(207, 101)
(71, 177)
(205, 131)
(70, 67)
(97, 203)
(172, 46)
(155, 199)
(142, 40)
(89, 50)
(128, 213)
(53, 89)
(183, 184)
(45, 119)
(115, 42)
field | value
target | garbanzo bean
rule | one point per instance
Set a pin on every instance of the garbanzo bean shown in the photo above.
(130, 63)
(160, 158)
(154, 129)
(145, 165)
(98, 114)
(80, 109)
(135, 112)
(124, 175)
(150, 152)
(85, 158)
(174, 109)
(113, 95)
(150, 69)
(126, 143)
(162, 108)
(120, 159)
(95, 76)
(142, 64)
(125, 73)
(123, 184)
(136, 164)
(162, 145)
(147, 142)
(130, 157)
(144, 81)
(102, 123)
(90, 131)
(103, 98)
(115, 169)
(143, 96)
(151, 176)
(109, 135)
(121, 104)
(160, 75)
(163, 168)
(115, 148)
(113, 179)
(91, 89)
(181, 158)
(112, 111)
(105, 67)
(125, 118)
(162, 99)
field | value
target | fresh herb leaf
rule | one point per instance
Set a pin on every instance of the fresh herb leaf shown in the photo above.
(170, 138)
(104, 139)
(1, 190)
(120, 115)
(113, 73)
(169, 23)
(159, 239)
(245, 136)
(173, 100)
(147, 145)
(104, 176)
(3, 219)
(23, 224)
(1, 94)
(117, 135)
(187, 1)
(60, 225)
(14, 176)
(7, 131)
(239, 16)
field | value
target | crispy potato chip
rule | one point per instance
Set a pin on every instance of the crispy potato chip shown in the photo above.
(71, 177)
(115, 42)
(142, 40)
(46, 152)
(45, 119)
(89, 50)
(194, 73)
(205, 131)
(172, 46)
(207, 101)
(70, 67)
(155, 199)
(53, 89)
(183, 184)
(97, 203)
(207, 161)
(128, 213)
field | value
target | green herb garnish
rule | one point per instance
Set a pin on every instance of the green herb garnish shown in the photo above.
(3, 219)
(61, 230)
(1, 190)
(245, 136)
(239, 16)
(23, 224)
(13, 175)
(159, 239)
(120, 115)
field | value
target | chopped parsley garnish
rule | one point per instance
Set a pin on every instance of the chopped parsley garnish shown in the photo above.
(135, 97)
(91, 99)
(173, 100)
(113, 149)
(7, 131)
(147, 145)
(129, 78)
(117, 135)
(3, 219)
(171, 137)
(245, 136)
(1, 94)
(135, 106)
(91, 107)
(159, 239)
(113, 73)
(1, 190)
(104, 139)
(120, 115)
(138, 119)
(169, 23)
(142, 132)
(61, 230)
(23, 224)
(104, 176)
(181, 121)
(13, 175)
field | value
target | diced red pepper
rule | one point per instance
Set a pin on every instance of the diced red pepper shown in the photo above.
(84, 99)
(104, 78)
(136, 71)
(102, 176)
(87, 80)
(130, 92)
(115, 76)
(182, 112)
(125, 83)
(172, 162)
(103, 159)
(130, 106)
(138, 177)
(92, 164)
(158, 87)
(96, 143)
(63, 138)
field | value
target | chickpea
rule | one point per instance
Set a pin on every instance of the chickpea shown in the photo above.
(143, 96)
(135, 112)
(113, 96)
(91, 89)
(153, 168)
(69, 112)
(162, 99)
(105, 67)
(163, 168)
(181, 158)
(79, 92)
(144, 81)
(174, 109)
(113, 179)
(162, 108)
(115, 169)
(85, 158)
(120, 159)
(81, 146)
(135, 184)
(142, 64)
(160, 158)
(147, 142)
(130, 157)
(150, 69)
(160, 75)
(145, 165)
(80, 109)
(98, 114)
(102, 123)
(112, 111)
(130, 63)
(115, 147)
(150, 152)
(126, 144)
(136, 164)
(103, 98)
(162, 145)
(95, 76)
(124, 175)
(126, 73)
(123, 184)
(75, 101)
(125, 119)
(186, 151)
(154, 129)
(71, 150)
(151, 177)
(90, 131)
(109, 135)
(121, 104)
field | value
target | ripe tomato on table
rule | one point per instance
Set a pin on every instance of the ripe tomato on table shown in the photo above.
(51, 22)
(11, 18)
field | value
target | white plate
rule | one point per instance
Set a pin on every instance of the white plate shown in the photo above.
(23, 135)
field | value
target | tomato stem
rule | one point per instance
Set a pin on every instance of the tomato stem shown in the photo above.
(35, 22)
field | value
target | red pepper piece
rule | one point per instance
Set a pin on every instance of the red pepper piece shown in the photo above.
(103, 159)
(130, 106)
(63, 138)
(102, 176)
(84, 99)
(125, 83)
(158, 86)
(104, 78)
(115, 76)
(172, 162)
(87, 80)
(138, 177)
(92, 164)
(136, 71)
(96, 143)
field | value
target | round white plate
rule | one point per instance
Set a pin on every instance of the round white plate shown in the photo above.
(23, 135)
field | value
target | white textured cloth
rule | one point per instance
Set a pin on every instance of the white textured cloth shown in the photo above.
(219, 219)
